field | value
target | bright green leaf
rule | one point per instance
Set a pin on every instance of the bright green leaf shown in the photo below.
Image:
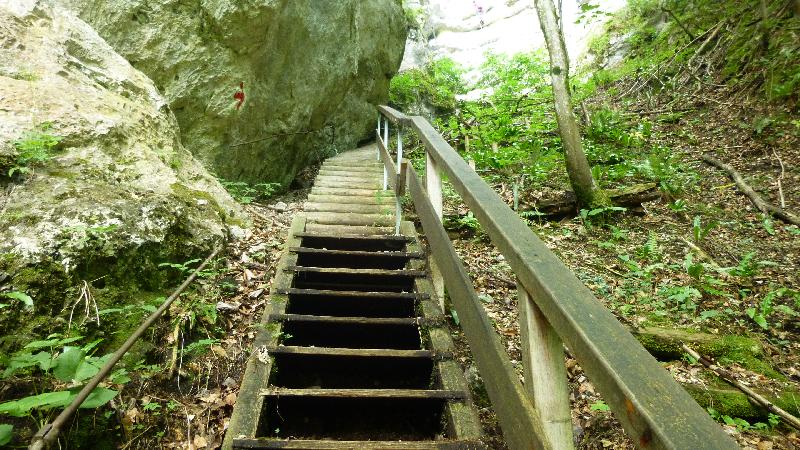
(67, 363)
(6, 433)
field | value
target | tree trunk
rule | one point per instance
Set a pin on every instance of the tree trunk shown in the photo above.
(580, 174)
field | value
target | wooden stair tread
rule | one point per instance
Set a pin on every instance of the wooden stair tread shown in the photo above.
(364, 393)
(271, 443)
(349, 319)
(354, 352)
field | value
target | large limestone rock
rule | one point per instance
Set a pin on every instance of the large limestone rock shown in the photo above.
(119, 193)
(305, 65)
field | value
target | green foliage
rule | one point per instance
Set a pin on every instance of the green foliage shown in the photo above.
(700, 231)
(24, 298)
(467, 222)
(435, 85)
(54, 359)
(246, 193)
(599, 406)
(6, 433)
(34, 148)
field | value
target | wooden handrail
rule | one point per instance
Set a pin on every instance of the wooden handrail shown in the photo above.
(652, 407)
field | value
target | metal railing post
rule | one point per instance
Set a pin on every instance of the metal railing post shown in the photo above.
(398, 211)
(433, 186)
(545, 371)
(386, 144)
(378, 135)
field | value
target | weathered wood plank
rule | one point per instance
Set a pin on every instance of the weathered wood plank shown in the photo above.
(651, 405)
(348, 320)
(353, 236)
(351, 199)
(363, 393)
(265, 443)
(330, 218)
(343, 191)
(348, 208)
(387, 254)
(349, 271)
(376, 295)
(349, 230)
(354, 352)
(520, 422)
(545, 372)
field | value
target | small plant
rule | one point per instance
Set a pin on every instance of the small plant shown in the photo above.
(466, 222)
(246, 193)
(765, 307)
(601, 213)
(678, 205)
(34, 148)
(599, 406)
(700, 231)
(70, 364)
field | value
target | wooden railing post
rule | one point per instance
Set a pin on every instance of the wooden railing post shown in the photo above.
(545, 372)
(433, 186)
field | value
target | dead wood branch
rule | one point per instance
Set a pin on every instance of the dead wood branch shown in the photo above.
(754, 197)
(755, 397)
(629, 197)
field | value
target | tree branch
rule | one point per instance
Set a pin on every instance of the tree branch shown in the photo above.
(754, 197)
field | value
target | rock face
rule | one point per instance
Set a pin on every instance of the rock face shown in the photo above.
(118, 194)
(306, 65)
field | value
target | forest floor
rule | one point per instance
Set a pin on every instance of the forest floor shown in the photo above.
(635, 262)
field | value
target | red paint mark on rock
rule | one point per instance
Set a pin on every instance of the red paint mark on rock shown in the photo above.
(239, 95)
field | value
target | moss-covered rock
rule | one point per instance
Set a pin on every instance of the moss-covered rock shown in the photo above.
(305, 64)
(665, 344)
(118, 195)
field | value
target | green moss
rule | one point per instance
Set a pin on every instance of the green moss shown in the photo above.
(191, 196)
(731, 402)
(665, 344)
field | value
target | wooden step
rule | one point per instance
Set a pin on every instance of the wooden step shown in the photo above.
(331, 218)
(349, 229)
(354, 352)
(384, 198)
(349, 208)
(342, 191)
(349, 320)
(348, 271)
(317, 234)
(323, 251)
(304, 444)
(364, 393)
(375, 295)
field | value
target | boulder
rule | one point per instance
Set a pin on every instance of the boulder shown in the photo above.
(311, 70)
(112, 192)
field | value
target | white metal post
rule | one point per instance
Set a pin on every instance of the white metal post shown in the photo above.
(398, 207)
(386, 144)
(378, 134)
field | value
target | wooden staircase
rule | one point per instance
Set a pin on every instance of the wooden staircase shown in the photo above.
(354, 351)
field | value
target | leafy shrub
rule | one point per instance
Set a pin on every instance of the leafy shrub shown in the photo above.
(246, 193)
